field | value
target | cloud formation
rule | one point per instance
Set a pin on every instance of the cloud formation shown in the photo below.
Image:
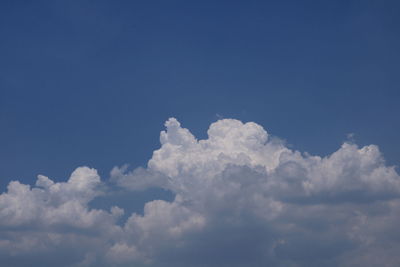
(242, 198)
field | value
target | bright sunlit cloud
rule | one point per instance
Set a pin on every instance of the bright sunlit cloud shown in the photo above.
(242, 198)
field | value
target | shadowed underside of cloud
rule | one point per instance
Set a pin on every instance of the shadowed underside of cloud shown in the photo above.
(242, 198)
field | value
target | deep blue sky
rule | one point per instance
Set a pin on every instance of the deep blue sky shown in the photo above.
(92, 82)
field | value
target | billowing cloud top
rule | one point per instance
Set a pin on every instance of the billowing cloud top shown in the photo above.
(241, 199)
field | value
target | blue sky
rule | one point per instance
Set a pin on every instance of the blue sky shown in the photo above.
(91, 83)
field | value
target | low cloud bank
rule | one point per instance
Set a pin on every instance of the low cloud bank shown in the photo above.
(241, 199)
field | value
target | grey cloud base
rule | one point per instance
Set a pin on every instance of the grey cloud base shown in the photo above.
(241, 199)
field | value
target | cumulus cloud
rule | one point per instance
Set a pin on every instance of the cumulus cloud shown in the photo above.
(242, 198)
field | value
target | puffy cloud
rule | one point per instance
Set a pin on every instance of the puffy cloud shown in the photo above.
(242, 198)
(53, 219)
(53, 204)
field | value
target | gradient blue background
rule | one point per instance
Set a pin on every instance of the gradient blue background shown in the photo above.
(92, 82)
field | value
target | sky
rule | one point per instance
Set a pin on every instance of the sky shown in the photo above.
(244, 133)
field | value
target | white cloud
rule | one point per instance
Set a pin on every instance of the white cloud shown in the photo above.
(50, 203)
(242, 198)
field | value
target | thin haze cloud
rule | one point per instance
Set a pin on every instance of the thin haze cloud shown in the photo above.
(242, 198)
